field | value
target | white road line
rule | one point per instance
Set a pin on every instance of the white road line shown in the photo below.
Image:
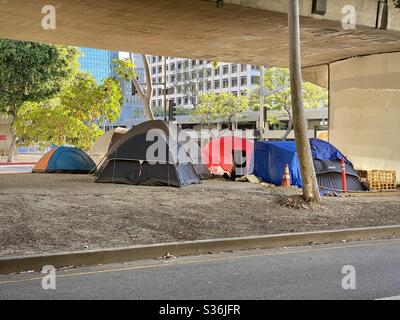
(390, 298)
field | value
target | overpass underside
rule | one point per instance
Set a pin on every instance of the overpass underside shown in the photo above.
(193, 29)
(365, 91)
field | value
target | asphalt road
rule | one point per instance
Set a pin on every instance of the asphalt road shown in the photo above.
(313, 272)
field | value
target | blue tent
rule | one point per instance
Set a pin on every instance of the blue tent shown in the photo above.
(65, 159)
(271, 157)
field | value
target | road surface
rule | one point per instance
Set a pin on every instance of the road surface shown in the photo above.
(313, 272)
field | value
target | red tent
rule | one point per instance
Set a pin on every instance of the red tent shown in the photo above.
(218, 153)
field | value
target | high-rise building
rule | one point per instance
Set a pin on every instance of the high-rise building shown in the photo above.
(187, 79)
(132, 106)
(97, 62)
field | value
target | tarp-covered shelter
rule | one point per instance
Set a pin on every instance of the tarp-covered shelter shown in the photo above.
(149, 154)
(65, 159)
(270, 158)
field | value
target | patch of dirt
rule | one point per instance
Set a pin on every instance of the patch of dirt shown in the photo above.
(43, 213)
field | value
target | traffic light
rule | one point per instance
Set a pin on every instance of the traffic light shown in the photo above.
(172, 111)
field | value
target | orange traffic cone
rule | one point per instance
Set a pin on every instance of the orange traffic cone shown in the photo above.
(286, 177)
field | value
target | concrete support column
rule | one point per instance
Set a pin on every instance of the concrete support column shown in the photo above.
(365, 110)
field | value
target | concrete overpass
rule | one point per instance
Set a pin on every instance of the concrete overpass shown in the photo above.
(253, 32)
(365, 91)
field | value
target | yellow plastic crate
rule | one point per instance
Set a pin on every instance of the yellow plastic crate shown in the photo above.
(380, 180)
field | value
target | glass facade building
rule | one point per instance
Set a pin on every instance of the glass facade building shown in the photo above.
(97, 62)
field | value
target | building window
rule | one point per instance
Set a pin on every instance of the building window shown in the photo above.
(234, 68)
(243, 81)
(226, 69)
(179, 101)
(179, 67)
(154, 70)
(172, 67)
(217, 84)
(209, 85)
(243, 67)
(172, 78)
(255, 80)
(160, 69)
(225, 83)
(217, 71)
(234, 82)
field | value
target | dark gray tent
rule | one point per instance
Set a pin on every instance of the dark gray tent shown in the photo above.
(329, 176)
(128, 161)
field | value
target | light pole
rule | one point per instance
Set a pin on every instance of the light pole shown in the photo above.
(165, 88)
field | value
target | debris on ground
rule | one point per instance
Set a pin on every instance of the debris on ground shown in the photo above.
(168, 256)
(296, 202)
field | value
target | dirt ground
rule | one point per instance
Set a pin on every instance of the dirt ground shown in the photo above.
(43, 213)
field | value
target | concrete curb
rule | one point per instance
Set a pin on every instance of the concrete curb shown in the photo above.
(127, 254)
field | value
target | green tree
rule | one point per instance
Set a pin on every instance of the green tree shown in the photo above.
(225, 106)
(278, 94)
(208, 110)
(74, 116)
(232, 107)
(31, 72)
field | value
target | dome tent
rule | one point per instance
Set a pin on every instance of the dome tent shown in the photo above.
(65, 159)
(270, 158)
(128, 161)
(104, 143)
(219, 153)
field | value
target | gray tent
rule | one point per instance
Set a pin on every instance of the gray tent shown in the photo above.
(329, 176)
(128, 162)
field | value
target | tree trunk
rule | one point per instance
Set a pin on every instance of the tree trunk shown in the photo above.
(310, 185)
(13, 146)
(145, 96)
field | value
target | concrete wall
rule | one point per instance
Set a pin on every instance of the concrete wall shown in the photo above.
(4, 131)
(365, 110)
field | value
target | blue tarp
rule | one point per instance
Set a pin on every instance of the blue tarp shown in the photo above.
(270, 158)
(70, 159)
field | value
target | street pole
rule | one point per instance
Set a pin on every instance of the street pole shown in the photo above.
(310, 185)
(165, 88)
(263, 109)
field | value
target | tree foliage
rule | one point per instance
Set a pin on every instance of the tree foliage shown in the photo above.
(225, 106)
(31, 72)
(278, 94)
(73, 117)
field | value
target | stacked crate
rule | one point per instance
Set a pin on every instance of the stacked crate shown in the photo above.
(379, 180)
